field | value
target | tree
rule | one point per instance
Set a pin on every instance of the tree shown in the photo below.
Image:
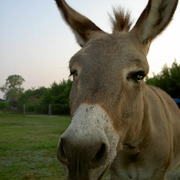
(168, 79)
(13, 87)
(4, 106)
(58, 94)
(32, 96)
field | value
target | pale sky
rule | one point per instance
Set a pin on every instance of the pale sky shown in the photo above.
(37, 44)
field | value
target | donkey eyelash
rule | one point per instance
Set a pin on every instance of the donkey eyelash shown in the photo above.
(137, 76)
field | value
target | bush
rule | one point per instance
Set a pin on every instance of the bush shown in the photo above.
(58, 96)
(4, 106)
(30, 107)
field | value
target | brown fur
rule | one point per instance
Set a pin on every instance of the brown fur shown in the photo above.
(78, 22)
(162, 8)
(121, 21)
(144, 118)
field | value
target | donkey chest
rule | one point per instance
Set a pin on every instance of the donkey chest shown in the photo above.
(131, 167)
(132, 172)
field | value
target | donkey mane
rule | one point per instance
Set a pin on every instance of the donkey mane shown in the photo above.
(121, 21)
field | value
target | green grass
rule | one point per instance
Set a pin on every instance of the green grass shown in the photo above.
(28, 147)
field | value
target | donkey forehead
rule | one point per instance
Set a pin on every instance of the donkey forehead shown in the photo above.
(104, 49)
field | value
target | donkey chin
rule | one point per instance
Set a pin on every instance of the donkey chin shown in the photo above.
(88, 147)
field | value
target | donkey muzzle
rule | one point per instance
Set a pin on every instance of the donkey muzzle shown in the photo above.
(87, 148)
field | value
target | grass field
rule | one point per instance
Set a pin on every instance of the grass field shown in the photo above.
(28, 147)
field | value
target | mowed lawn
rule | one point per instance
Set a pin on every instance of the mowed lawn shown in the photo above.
(28, 147)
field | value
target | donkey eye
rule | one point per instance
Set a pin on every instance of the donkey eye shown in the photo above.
(138, 76)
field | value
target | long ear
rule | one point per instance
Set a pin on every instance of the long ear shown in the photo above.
(81, 26)
(154, 19)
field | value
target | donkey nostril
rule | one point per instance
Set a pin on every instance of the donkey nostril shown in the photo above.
(61, 152)
(100, 155)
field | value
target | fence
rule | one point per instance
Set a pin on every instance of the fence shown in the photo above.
(15, 108)
(50, 109)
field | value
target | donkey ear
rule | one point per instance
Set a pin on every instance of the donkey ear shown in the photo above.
(82, 27)
(154, 19)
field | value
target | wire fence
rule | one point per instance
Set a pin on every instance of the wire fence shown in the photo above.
(52, 109)
(43, 109)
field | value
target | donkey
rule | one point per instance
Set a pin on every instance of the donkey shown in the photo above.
(118, 122)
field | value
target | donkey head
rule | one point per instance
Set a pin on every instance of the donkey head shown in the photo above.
(107, 104)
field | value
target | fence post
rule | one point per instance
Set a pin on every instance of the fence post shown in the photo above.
(49, 109)
(24, 109)
(35, 109)
(41, 109)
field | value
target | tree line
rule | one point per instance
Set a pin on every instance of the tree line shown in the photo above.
(58, 93)
(168, 79)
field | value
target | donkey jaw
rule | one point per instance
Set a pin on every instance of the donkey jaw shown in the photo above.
(88, 147)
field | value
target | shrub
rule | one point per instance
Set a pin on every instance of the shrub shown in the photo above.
(4, 106)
